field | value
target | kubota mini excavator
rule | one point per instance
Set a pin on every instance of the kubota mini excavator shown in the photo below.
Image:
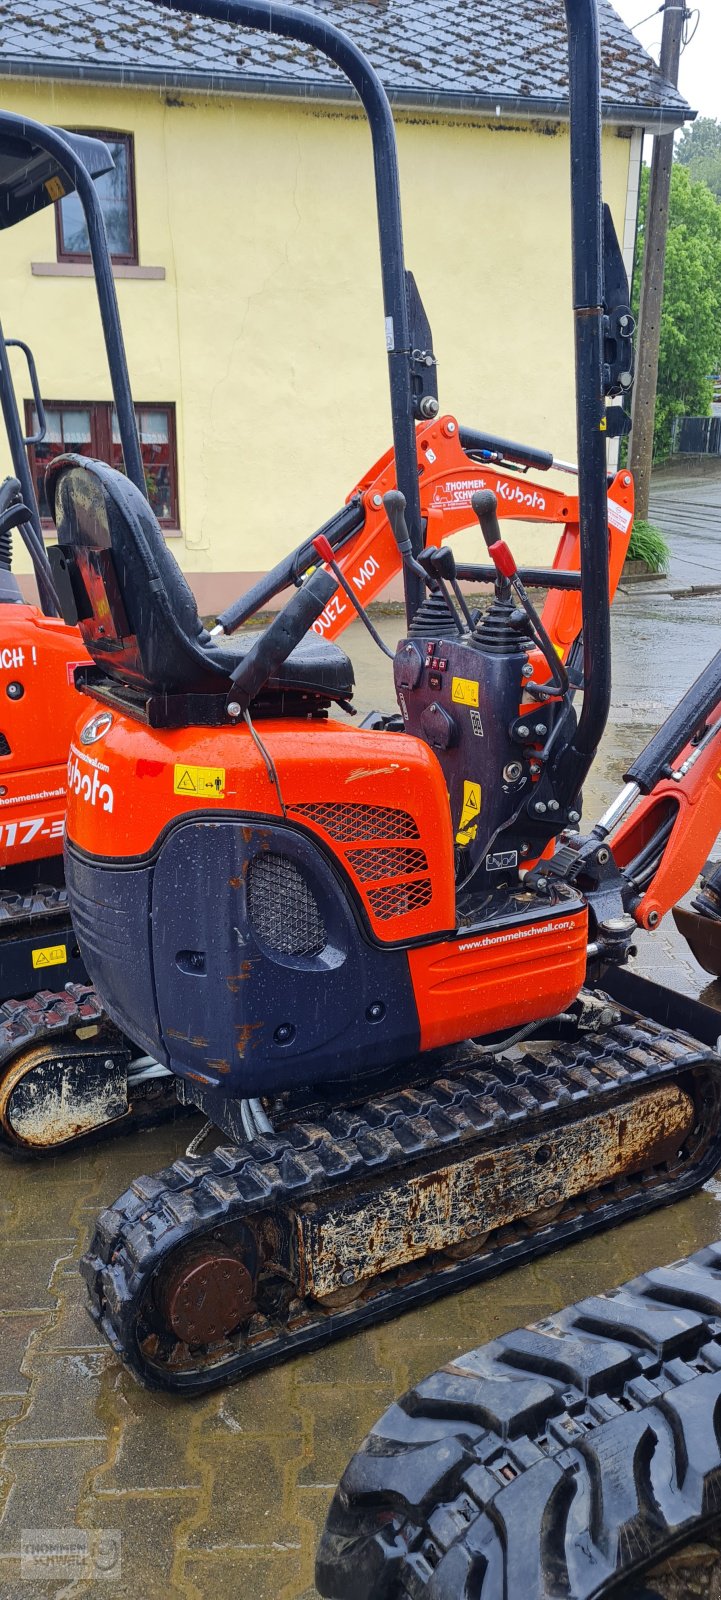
(385, 963)
(64, 1072)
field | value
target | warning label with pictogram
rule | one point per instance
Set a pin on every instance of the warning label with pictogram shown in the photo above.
(464, 692)
(206, 781)
(468, 825)
(51, 955)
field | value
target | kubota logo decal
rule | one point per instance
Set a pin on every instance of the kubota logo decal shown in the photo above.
(86, 782)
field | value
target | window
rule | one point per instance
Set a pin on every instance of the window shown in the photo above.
(89, 428)
(116, 190)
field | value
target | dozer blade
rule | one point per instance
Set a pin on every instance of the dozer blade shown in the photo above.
(561, 1459)
(703, 937)
(218, 1267)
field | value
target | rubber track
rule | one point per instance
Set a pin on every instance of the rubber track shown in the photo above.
(193, 1198)
(561, 1459)
(51, 1014)
(34, 907)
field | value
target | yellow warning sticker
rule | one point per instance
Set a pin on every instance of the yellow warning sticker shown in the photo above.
(468, 825)
(54, 188)
(206, 781)
(51, 955)
(464, 691)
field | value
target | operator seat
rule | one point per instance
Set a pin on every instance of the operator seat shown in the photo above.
(137, 614)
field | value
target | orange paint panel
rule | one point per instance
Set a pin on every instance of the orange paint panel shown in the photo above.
(696, 798)
(35, 655)
(377, 802)
(500, 979)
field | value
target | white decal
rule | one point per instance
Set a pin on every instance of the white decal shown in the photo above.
(335, 608)
(365, 573)
(457, 493)
(30, 828)
(10, 657)
(40, 794)
(520, 933)
(618, 516)
(87, 785)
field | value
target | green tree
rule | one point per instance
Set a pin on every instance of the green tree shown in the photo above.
(691, 316)
(699, 149)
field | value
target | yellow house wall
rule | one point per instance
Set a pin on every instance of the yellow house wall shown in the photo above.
(267, 331)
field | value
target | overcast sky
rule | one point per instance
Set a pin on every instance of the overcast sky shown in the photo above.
(700, 74)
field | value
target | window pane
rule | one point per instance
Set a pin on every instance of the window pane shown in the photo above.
(76, 429)
(158, 482)
(67, 429)
(53, 426)
(154, 432)
(114, 193)
(153, 427)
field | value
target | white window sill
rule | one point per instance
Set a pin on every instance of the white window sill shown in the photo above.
(84, 269)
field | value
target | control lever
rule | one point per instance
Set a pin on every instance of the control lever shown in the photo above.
(440, 562)
(484, 504)
(278, 639)
(395, 506)
(324, 549)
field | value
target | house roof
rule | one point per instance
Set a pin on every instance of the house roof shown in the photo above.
(452, 54)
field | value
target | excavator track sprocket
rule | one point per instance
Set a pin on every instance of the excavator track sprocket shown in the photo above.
(218, 1267)
(64, 1074)
(561, 1459)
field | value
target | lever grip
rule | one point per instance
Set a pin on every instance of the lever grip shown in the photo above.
(439, 561)
(484, 504)
(395, 509)
(281, 636)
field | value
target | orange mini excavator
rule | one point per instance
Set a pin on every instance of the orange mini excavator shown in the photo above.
(382, 959)
(65, 1072)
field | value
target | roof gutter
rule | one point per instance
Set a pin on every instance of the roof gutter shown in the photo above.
(657, 119)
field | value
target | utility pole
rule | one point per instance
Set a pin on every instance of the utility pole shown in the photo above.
(654, 261)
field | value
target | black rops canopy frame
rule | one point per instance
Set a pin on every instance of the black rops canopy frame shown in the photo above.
(584, 56)
(38, 165)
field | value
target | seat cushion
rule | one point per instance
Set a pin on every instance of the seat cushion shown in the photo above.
(315, 666)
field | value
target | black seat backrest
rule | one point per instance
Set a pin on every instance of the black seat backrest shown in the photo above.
(136, 612)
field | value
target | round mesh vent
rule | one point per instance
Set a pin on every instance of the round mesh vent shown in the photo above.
(284, 913)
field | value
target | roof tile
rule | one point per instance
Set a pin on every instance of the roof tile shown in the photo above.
(455, 48)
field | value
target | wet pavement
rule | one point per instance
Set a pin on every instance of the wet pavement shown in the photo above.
(224, 1497)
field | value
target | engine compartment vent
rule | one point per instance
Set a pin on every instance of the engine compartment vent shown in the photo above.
(284, 913)
(347, 822)
(371, 865)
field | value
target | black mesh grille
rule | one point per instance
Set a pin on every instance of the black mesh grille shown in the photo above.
(283, 911)
(349, 822)
(396, 899)
(4, 746)
(369, 864)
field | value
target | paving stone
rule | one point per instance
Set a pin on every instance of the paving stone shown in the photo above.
(270, 1404)
(47, 1482)
(249, 1505)
(341, 1419)
(16, 1330)
(249, 1575)
(152, 1450)
(71, 1327)
(64, 1400)
(27, 1269)
(150, 1526)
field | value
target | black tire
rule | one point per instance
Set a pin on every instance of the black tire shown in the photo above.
(559, 1460)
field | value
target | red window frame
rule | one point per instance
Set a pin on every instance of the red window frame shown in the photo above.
(101, 444)
(131, 259)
